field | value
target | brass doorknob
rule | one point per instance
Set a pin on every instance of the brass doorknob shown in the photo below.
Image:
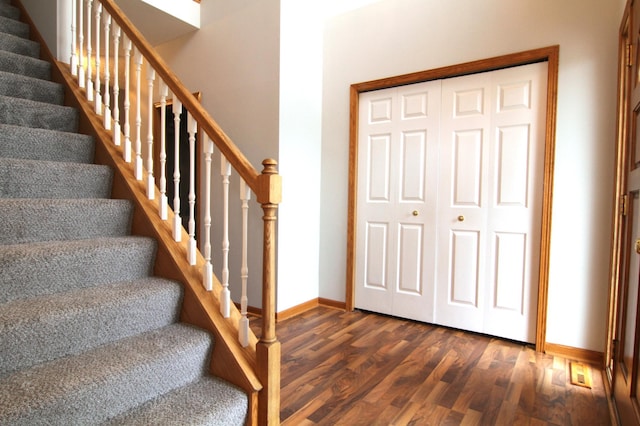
(638, 246)
(460, 218)
(415, 213)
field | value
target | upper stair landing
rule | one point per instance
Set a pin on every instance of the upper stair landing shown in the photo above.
(162, 20)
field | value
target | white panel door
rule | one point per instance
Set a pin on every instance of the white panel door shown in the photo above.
(462, 202)
(397, 175)
(490, 198)
(450, 177)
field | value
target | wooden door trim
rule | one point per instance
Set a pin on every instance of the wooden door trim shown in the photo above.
(547, 54)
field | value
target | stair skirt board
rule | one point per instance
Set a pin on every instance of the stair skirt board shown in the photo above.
(87, 334)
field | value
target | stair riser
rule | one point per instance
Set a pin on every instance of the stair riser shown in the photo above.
(47, 268)
(97, 385)
(74, 220)
(34, 179)
(34, 89)
(46, 145)
(9, 11)
(21, 112)
(19, 45)
(43, 329)
(25, 65)
(13, 27)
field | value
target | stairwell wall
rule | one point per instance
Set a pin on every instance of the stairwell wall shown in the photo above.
(56, 32)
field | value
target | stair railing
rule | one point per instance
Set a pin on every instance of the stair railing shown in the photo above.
(101, 24)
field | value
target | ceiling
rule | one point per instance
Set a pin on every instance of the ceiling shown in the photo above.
(161, 20)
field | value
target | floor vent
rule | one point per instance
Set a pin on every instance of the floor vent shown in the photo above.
(580, 374)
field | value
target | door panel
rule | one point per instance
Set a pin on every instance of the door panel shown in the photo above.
(461, 201)
(624, 341)
(450, 175)
(398, 164)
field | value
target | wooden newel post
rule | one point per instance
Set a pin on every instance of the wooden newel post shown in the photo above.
(268, 347)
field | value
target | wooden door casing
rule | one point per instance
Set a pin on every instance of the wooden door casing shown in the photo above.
(549, 54)
(623, 342)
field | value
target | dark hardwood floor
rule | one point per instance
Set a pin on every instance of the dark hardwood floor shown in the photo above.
(357, 368)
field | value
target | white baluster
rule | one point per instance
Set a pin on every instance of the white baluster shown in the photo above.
(81, 75)
(73, 61)
(164, 91)
(107, 73)
(137, 166)
(151, 183)
(98, 95)
(116, 85)
(207, 148)
(127, 101)
(89, 80)
(245, 194)
(177, 222)
(192, 128)
(225, 295)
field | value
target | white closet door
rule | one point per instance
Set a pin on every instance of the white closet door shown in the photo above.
(449, 200)
(397, 175)
(490, 198)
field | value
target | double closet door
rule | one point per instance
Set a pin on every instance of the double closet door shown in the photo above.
(449, 198)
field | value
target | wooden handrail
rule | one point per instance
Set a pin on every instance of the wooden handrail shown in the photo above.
(237, 159)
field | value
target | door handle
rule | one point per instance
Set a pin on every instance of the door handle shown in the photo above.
(638, 246)
(461, 219)
(415, 213)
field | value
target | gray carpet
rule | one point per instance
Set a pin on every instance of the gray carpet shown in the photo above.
(87, 334)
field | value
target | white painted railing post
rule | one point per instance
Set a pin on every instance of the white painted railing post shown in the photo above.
(107, 73)
(137, 166)
(164, 91)
(243, 331)
(177, 222)
(81, 75)
(151, 183)
(225, 295)
(89, 80)
(192, 128)
(116, 85)
(98, 94)
(126, 150)
(73, 61)
(207, 148)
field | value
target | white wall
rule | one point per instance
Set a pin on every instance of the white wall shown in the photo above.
(56, 32)
(395, 37)
(300, 151)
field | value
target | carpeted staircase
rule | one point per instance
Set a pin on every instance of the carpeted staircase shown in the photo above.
(87, 335)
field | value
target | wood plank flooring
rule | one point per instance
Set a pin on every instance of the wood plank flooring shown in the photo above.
(357, 368)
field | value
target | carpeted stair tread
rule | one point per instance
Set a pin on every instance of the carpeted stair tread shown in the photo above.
(75, 219)
(9, 11)
(25, 65)
(35, 89)
(14, 27)
(51, 179)
(36, 269)
(42, 144)
(191, 405)
(99, 384)
(22, 46)
(44, 328)
(25, 112)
